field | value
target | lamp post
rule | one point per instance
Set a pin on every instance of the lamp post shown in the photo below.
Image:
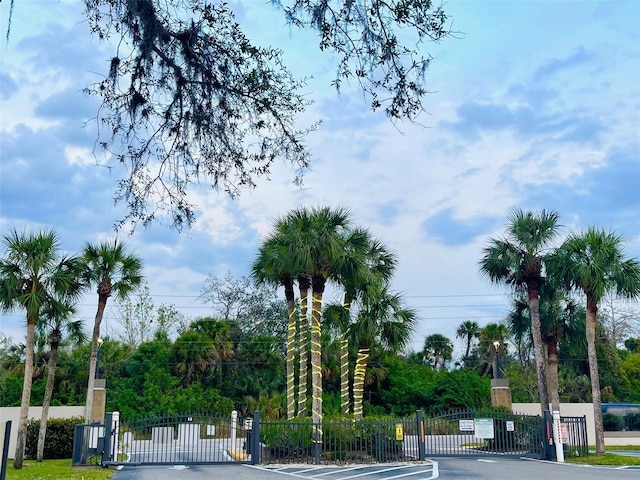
(496, 361)
(100, 342)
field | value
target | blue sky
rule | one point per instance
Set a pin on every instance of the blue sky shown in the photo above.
(535, 104)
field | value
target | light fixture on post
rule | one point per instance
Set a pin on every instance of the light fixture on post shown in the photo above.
(100, 342)
(496, 360)
(500, 391)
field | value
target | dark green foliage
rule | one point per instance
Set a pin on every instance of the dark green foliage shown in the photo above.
(287, 438)
(612, 423)
(59, 440)
(460, 389)
(10, 391)
(407, 387)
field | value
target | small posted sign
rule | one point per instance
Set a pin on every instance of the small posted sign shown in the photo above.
(466, 425)
(510, 426)
(399, 432)
(484, 427)
(564, 433)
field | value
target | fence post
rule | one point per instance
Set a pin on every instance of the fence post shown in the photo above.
(106, 448)
(547, 429)
(115, 433)
(234, 426)
(420, 432)
(557, 437)
(5, 450)
(255, 439)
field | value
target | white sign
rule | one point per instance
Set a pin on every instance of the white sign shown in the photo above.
(510, 426)
(484, 428)
(466, 425)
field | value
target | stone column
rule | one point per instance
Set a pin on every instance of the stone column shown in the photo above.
(99, 401)
(500, 393)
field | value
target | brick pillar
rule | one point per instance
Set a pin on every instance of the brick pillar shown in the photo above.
(500, 393)
(99, 401)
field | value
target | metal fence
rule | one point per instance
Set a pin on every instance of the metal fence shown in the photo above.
(573, 433)
(484, 433)
(162, 440)
(198, 439)
(341, 441)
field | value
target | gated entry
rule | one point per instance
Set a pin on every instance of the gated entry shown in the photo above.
(465, 432)
(172, 439)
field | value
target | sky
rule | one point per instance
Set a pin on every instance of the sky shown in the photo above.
(533, 105)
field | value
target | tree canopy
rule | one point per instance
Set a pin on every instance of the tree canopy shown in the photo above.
(188, 98)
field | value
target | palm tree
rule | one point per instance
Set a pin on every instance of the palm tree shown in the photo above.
(32, 271)
(518, 261)
(558, 316)
(318, 244)
(366, 261)
(273, 266)
(468, 330)
(56, 315)
(593, 263)
(113, 270)
(304, 286)
(438, 347)
(383, 319)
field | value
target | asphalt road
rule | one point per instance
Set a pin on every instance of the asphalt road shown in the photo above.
(447, 468)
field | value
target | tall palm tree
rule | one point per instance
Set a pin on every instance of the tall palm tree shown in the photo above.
(593, 263)
(468, 330)
(57, 320)
(518, 262)
(273, 265)
(439, 348)
(366, 261)
(113, 271)
(32, 271)
(317, 247)
(383, 318)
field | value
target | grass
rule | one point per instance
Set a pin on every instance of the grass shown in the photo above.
(610, 459)
(56, 470)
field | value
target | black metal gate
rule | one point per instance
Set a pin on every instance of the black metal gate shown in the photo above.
(166, 440)
(483, 433)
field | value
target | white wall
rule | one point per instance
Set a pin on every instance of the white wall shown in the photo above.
(566, 410)
(13, 414)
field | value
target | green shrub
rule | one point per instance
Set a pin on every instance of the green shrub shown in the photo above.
(59, 440)
(291, 438)
(612, 423)
(633, 421)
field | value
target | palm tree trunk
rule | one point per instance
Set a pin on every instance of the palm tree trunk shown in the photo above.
(552, 349)
(536, 329)
(344, 360)
(358, 381)
(303, 327)
(316, 367)
(344, 374)
(592, 310)
(291, 340)
(48, 393)
(102, 303)
(26, 395)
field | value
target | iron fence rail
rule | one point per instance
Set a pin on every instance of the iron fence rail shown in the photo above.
(196, 439)
(343, 441)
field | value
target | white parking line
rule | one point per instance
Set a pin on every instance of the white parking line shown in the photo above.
(371, 472)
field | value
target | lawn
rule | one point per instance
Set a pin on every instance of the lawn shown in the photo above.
(56, 470)
(610, 459)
